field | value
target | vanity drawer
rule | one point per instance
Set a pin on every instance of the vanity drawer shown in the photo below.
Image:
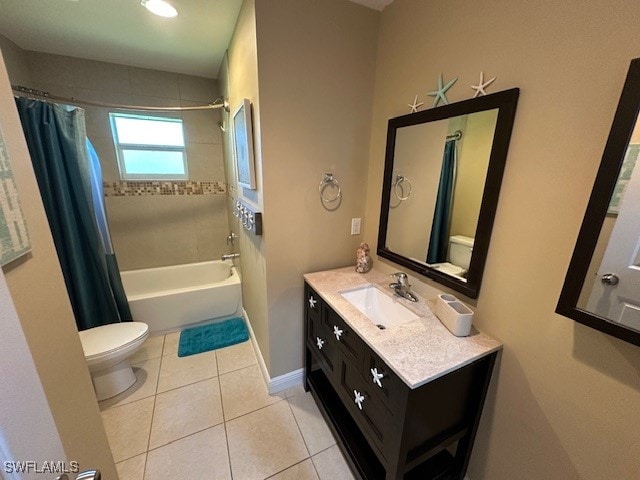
(323, 345)
(313, 303)
(370, 413)
(349, 343)
(383, 381)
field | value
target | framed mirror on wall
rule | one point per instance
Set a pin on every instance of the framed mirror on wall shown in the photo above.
(602, 286)
(443, 171)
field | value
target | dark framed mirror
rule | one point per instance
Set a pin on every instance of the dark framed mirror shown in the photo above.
(602, 286)
(442, 177)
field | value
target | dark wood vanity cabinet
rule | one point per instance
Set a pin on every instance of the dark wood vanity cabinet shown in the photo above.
(386, 429)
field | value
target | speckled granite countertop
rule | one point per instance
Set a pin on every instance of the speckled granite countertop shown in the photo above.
(419, 351)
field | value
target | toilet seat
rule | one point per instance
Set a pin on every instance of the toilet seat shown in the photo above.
(107, 340)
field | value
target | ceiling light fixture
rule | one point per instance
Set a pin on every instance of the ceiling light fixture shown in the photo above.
(160, 7)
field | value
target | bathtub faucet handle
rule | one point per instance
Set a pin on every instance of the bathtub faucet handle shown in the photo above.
(230, 256)
(231, 238)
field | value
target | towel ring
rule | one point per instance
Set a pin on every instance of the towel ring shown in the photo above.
(398, 183)
(329, 180)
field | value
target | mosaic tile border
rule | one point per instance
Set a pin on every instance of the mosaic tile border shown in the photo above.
(186, 187)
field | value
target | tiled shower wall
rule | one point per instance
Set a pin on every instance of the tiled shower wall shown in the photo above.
(172, 224)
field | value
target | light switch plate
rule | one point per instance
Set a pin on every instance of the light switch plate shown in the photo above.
(355, 226)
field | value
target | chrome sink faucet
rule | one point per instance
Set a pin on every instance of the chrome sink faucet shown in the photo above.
(401, 286)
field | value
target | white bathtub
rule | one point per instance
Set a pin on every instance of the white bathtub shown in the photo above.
(169, 298)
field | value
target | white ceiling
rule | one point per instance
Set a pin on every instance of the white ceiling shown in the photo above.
(122, 31)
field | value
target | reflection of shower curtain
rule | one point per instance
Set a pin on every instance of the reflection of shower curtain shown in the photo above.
(439, 239)
(66, 171)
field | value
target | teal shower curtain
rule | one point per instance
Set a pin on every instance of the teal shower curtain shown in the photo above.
(439, 240)
(68, 174)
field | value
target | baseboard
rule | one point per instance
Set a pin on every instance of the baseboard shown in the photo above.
(280, 383)
(286, 381)
(256, 349)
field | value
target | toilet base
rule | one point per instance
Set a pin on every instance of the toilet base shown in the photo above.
(113, 381)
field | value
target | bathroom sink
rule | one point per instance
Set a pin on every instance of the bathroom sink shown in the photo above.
(381, 309)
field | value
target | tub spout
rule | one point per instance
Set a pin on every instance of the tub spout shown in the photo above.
(230, 256)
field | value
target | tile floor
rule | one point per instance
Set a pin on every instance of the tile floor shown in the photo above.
(209, 416)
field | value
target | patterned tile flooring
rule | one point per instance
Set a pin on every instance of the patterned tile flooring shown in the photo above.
(209, 416)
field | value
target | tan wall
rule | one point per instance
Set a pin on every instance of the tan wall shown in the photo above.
(564, 398)
(15, 60)
(154, 230)
(316, 65)
(39, 294)
(242, 83)
(475, 149)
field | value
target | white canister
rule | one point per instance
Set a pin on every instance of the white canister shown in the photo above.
(454, 315)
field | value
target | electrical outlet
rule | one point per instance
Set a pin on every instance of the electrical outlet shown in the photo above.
(355, 226)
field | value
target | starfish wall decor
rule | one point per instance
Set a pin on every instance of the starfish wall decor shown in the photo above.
(440, 94)
(415, 105)
(481, 85)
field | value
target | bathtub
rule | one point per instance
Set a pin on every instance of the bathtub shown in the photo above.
(169, 298)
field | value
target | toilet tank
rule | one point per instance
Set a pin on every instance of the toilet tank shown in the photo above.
(460, 248)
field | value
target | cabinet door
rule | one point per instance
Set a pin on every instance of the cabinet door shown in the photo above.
(366, 409)
(322, 345)
(383, 382)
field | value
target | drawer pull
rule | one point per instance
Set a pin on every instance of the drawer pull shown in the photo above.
(337, 332)
(359, 398)
(312, 302)
(377, 376)
(320, 343)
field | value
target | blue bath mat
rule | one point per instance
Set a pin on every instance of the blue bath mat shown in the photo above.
(212, 336)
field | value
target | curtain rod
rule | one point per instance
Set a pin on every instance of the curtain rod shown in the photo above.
(31, 92)
(457, 135)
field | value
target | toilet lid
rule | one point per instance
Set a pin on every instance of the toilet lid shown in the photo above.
(107, 338)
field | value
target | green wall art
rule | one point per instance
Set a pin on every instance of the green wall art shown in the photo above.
(14, 240)
(628, 165)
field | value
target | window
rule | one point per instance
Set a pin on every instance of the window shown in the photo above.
(149, 148)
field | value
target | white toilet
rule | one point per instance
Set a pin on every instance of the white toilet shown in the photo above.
(107, 350)
(460, 249)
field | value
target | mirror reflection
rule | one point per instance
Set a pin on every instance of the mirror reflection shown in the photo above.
(612, 286)
(602, 287)
(442, 176)
(439, 174)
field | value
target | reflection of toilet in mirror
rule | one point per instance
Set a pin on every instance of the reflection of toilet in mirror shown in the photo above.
(460, 249)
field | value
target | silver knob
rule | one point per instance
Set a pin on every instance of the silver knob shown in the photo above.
(610, 279)
(231, 238)
(312, 302)
(401, 278)
(320, 343)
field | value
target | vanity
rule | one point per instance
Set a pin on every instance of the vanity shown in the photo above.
(403, 400)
